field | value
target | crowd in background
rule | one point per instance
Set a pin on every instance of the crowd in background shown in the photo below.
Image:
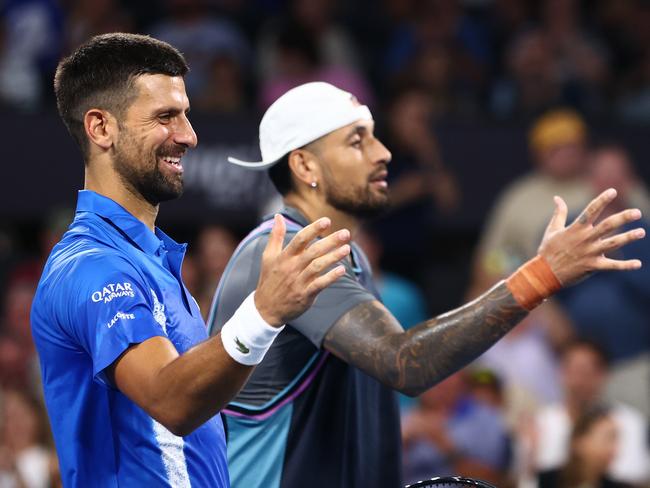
(561, 401)
(497, 58)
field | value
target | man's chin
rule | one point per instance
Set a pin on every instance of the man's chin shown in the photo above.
(172, 189)
(373, 205)
(370, 210)
(171, 196)
(159, 195)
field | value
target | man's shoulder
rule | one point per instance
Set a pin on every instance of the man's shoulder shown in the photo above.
(82, 253)
(254, 243)
(79, 260)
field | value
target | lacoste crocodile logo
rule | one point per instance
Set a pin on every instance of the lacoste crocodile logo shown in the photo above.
(241, 347)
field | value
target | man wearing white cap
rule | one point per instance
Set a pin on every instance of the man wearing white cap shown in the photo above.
(320, 409)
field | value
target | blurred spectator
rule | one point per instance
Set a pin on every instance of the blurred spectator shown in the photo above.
(444, 49)
(16, 346)
(584, 373)
(298, 57)
(87, 18)
(18, 365)
(451, 431)
(592, 448)
(421, 186)
(516, 223)
(8, 253)
(215, 245)
(31, 42)
(634, 102)
(526, 360)
(506, 20)
(613, 308)
(24, 444)
(208, 44)
(29, 263)
(610, 166)
(226, 90)
(315, 19)
(624, 24)
(532, 83)
(556, 63)
(580, 60)
(418, 173)
(486, 387)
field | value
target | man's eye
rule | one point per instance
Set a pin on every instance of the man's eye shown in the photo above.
(356, 143)
(164, 117)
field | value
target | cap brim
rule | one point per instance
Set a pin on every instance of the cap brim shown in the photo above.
(254, 165)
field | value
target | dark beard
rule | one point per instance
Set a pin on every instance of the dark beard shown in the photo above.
(366, 207)
(149, 183)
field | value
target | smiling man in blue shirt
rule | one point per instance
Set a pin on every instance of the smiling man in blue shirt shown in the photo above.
(132, 383)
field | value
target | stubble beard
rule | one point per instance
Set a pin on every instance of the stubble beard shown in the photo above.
(362, 204)
(145, 180)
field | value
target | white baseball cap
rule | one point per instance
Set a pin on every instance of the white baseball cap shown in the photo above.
(300, 116)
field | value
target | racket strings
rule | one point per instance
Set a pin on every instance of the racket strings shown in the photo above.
(450, 482)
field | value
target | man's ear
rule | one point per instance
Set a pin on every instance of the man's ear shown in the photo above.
(304, 166)
(101, 128)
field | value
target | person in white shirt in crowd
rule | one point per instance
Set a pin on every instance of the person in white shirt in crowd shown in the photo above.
(584, 373)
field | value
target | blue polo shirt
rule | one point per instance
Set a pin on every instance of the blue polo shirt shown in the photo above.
(108, 284)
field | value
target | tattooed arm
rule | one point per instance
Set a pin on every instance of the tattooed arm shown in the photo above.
(370, 338)
(412, 361)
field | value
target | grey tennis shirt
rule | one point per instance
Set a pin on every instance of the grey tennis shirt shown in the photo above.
(304, 414)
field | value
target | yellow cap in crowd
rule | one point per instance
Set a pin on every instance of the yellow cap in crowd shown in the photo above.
(557, 127)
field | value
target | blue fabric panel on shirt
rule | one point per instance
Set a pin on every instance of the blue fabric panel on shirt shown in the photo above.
(259, 444)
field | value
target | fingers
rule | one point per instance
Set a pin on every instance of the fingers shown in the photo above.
(317, 266)
(325, 245)
(595, 207)
(618, 265)
(302, 239)
(274, 245)
(615, 221)
(322, 282)
(619, 240)
(558, 220)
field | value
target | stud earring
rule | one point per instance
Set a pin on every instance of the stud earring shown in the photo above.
(314, 184)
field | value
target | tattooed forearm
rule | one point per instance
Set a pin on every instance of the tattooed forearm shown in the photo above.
(412, 361)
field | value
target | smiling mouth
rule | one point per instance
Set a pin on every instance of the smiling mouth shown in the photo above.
(174, 162)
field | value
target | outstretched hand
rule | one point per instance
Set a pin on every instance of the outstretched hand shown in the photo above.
(290, 278)
(575, 251)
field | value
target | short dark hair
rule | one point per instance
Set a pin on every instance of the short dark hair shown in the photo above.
(101, 72)
(280, 175)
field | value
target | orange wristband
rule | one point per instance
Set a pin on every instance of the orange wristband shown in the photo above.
(533, 282)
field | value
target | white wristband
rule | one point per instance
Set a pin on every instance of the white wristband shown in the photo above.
(246, 336)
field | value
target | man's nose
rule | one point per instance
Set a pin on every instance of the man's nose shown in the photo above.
(185, 134)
